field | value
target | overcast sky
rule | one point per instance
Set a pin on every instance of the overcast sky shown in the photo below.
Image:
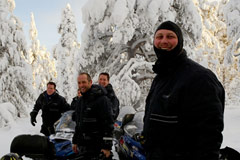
(47, 14)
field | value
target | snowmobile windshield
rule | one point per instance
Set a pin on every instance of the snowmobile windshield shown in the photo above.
(136, 125)
(65, 123)
(64, 127)
(125, 110)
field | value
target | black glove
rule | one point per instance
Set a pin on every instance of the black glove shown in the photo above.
(139, 138)
(33, 115)
(101, 156)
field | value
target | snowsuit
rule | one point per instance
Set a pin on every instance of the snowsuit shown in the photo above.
(184, 110)
(114, 100)
(94, 121)
(52, 106)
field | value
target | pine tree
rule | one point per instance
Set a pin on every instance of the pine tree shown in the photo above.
(43, 65)
(66, 55)
(15, 73)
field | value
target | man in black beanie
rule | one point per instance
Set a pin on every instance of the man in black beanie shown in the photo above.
(184, 108)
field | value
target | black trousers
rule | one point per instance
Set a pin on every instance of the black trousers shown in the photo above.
(47, 130)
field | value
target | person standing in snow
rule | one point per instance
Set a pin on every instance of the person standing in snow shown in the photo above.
(94, 121)
(103, 80)
(75, 99)
(52, 105)
(185, 105)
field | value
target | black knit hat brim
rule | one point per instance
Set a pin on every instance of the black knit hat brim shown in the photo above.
(169, 26)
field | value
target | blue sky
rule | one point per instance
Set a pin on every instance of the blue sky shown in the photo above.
(47, 14)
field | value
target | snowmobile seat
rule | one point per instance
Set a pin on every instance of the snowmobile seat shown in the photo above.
(33, 146)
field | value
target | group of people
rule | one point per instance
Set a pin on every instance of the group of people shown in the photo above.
(96, 108)
(183, 114)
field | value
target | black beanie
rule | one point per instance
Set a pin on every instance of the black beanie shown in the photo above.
(175, 28)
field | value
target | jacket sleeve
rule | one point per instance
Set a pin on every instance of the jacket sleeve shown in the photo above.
(76, 114)
(75, 139)
(148, 101)
(65, 105)
(106, 122)
(115, 105)
(203, 113)
(114, 101)
(38, 104)
(73, 104)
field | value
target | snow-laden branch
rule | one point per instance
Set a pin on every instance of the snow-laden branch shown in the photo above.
(128, 81)
(236, 55)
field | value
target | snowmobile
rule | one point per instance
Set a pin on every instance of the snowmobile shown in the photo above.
(125, 132)
(128, 134)
(57, 146)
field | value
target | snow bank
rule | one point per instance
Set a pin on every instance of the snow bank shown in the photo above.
(8, 114)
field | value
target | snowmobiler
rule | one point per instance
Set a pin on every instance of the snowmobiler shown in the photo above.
(52, 106)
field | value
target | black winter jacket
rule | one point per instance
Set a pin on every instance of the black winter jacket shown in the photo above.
(51, 106)
(94, 119)
(184, 112)
(114, 100)
(74, 103)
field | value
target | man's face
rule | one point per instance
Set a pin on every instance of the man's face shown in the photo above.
(165, 39)
(50, 89)
(83, 84)
(103, 81)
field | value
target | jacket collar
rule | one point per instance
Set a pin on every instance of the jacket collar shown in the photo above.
(168, 65)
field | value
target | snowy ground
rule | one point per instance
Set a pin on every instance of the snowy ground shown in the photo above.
(22, 126)
(231, 133)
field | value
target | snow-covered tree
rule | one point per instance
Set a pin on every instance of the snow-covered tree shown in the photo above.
(66, 55)
(231, 13)
(8, 114)
(43, 65)
(232, 16)
(212, 50)
(212, 47)
(15, 73)
(118, 36)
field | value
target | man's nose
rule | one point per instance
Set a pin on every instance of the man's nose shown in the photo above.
(164, 39)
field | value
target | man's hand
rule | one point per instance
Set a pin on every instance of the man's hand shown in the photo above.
(139, 138)
(33, 115)
(107, 153)
(33, 121)
(75, 148)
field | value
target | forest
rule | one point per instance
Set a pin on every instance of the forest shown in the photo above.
(117, 39)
